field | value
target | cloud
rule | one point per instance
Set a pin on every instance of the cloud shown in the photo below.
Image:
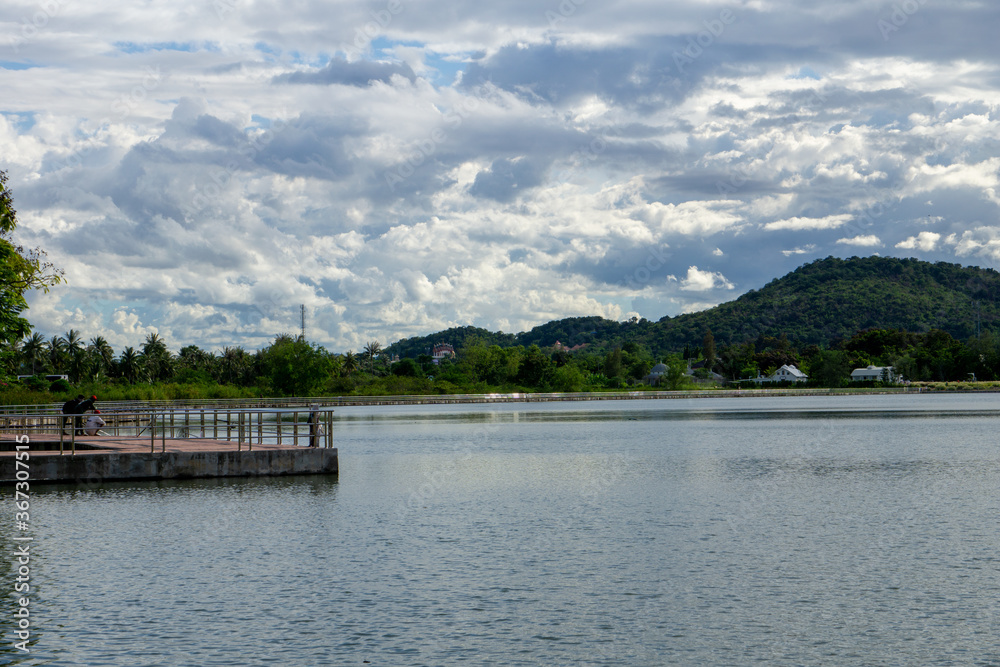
(867, 241)
(829, 222)
(811, 248)
(506, 178)
(703, 281)
(359, 73)
(926, 241)
(211, 167)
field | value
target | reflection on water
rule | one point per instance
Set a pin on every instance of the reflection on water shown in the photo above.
(850, 531)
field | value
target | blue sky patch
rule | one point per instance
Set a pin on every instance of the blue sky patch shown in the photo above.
(22, 121)
(9, 64)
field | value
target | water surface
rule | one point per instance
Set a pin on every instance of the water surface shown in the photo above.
(786, 531)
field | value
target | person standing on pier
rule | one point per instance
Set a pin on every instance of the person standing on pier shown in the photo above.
(315, 428)
(77, 406)
(69, 408)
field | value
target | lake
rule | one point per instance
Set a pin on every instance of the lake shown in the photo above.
(783, 531)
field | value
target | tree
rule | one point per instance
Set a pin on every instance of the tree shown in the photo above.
(407, 368)
(193, 365)
(613, 363)
(32, 350)
(128, 365)
(534, 365)
(104, 356)
(708, 349)
(568, 378)
(234, 364)
(75, 356)
(372, 350)
(831, 368)
(676, 377)
(296, 368)
(157, 358)
(350, 363)
(56, 351)
(20, 270)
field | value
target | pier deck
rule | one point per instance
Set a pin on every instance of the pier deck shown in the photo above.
(110, 458)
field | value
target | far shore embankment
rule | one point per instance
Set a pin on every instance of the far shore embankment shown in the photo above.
(517, 397)
(298, 403)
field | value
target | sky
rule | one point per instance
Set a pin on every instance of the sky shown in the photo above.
(200, 170)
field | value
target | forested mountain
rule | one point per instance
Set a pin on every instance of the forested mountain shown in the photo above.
(818, 303)
(456, 337)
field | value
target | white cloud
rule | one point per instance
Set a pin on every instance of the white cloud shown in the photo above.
(867, 241)
(703, 281)
(201, 173)
(829, 222)
(925, 241)
(799, 251)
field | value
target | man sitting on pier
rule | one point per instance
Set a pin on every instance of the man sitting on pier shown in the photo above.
(94, 423)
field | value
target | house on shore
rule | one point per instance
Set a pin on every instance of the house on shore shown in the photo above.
(874, 374)
(655, 374)
(787, 373)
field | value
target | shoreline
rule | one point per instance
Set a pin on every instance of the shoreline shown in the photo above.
(521, 397)
(299, 403)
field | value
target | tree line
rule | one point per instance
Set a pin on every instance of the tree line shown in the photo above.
(291, 366)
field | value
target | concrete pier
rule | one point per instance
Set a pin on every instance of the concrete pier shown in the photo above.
(102, 458)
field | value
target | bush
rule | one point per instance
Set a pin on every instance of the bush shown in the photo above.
(60, 386)
(36, 383)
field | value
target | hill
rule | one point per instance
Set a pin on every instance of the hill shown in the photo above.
(817, 303)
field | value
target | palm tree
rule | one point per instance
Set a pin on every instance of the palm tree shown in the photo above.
(128, 365)
(157, 358)
(194, 358)
(350, 363)
(372, 350)
(56, 350)
(73, 342)
(102, 354)
(32, 349)
(233, 363)
(74, 356)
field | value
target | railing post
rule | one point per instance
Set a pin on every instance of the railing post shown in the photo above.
(295, 428)
(152, 432)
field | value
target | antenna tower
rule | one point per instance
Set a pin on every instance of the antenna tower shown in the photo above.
(302, 310)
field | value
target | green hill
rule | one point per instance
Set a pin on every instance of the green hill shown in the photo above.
(817, 303)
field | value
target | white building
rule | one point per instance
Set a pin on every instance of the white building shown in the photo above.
(653, 377)
(873, 373)
(787, 373)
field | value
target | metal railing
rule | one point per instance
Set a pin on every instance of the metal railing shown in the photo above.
(310, 426)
